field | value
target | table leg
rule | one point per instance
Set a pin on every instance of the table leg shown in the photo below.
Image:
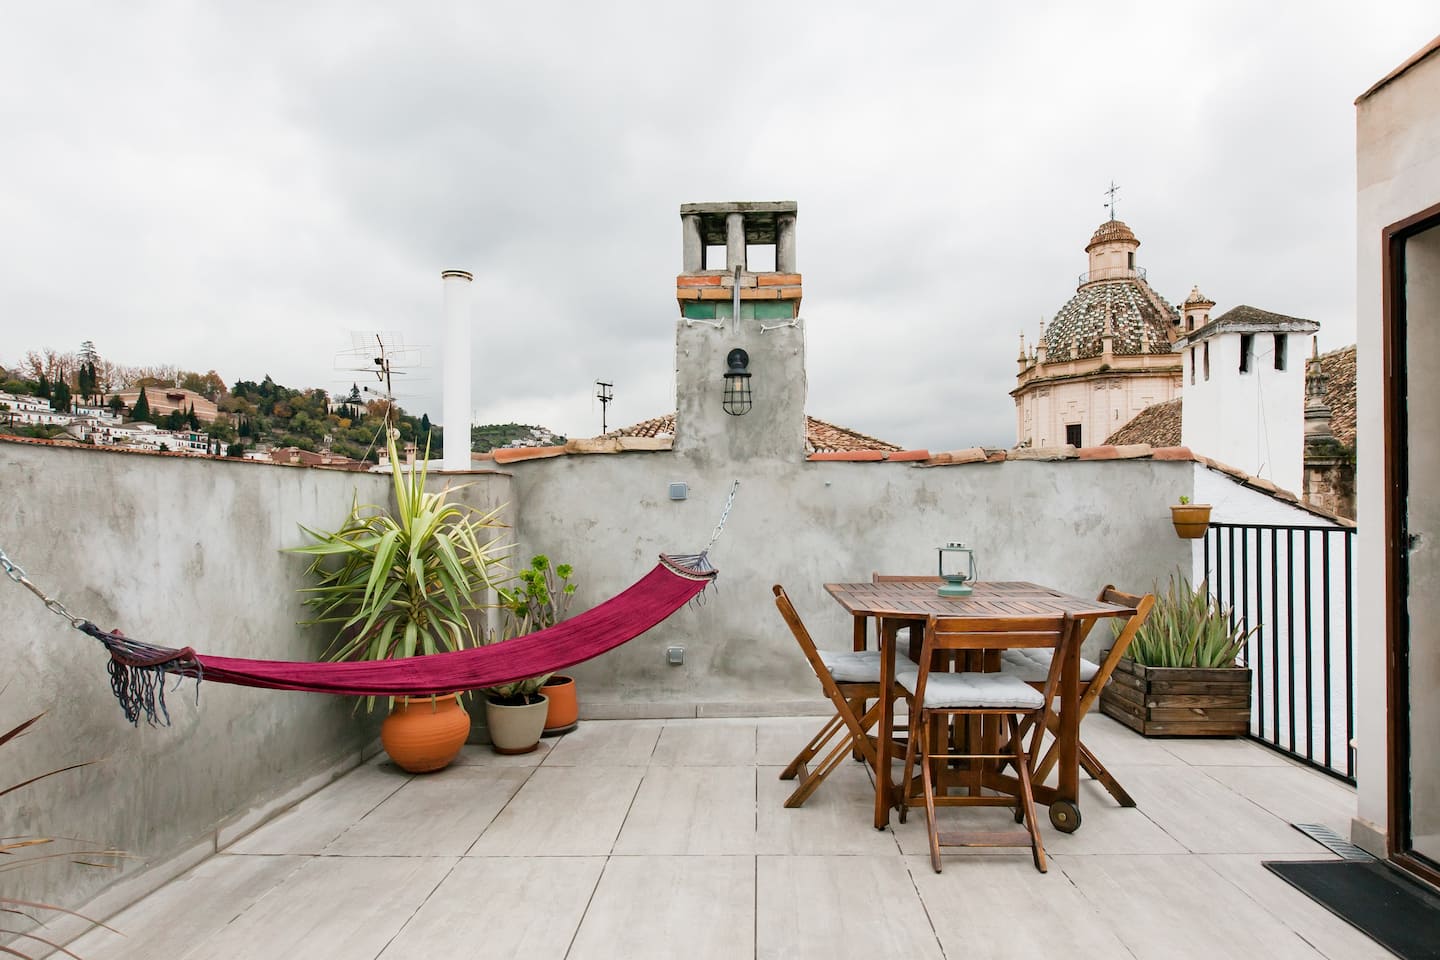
(1069, 740)
(885, 631)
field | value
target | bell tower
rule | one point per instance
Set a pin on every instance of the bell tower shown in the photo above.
(739, 290)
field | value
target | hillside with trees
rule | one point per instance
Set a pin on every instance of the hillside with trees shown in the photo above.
(252, 413)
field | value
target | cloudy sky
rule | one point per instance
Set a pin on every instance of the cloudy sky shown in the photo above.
(244, 187)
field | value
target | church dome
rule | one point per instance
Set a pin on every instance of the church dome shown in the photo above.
(1139, 320)
(1111, 231)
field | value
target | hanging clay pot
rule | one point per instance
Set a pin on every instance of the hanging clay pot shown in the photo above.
(1190, 519)
(425, 733)
(564, 707)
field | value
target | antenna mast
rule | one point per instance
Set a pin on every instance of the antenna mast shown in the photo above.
(604, 393)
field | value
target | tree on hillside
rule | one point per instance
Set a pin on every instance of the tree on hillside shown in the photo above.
(116, 404)
(141, 410)
(60, 397)
(192, 421)
(42, 386)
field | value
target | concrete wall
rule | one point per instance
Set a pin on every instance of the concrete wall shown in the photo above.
(181, 552)
(1075, 525)
(1398, 175)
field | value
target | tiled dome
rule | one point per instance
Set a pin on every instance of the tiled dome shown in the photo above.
(1112, 230)
(1139, 319)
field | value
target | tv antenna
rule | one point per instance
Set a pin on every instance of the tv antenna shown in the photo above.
(384, 355)
(1110, 204)
(604, 392)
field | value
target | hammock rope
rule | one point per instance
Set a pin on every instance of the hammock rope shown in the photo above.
(138, 670)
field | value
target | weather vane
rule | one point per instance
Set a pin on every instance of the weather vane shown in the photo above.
(1111, 202)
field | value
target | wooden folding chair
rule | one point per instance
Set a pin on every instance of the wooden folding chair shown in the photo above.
(1031, 666)
(939, 697)
(847, 679)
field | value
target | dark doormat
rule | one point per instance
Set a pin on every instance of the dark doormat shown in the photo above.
(1378, 900)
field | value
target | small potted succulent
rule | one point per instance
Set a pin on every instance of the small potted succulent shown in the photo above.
(513, 712)
(1190, 519)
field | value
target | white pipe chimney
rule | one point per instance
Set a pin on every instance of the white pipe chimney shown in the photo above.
(456, 410)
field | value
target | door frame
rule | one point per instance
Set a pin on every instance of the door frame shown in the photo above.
(1395, 444)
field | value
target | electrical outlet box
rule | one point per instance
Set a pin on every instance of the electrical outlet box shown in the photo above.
(675, 655)
(679, 490)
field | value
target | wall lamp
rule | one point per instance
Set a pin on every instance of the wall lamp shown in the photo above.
(737, 383)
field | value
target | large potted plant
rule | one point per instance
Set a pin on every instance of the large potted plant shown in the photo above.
(401, 582)
(1180, 676)
(540, 598)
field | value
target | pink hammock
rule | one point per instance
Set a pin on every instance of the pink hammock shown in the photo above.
(138, 670)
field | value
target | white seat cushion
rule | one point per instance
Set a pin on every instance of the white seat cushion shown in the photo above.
(973, 690)
(852, 666)
(1032, 664)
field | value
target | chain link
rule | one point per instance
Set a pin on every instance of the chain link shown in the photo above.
(16, 573)
(729, 502)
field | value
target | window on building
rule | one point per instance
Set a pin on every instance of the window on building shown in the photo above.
(1192, 366)
(1206, 358)
(1072, 434)
(1247, 350)
(1280, 351)
(1130, 259)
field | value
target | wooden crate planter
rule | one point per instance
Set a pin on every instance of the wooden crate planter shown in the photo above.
(1179, 701)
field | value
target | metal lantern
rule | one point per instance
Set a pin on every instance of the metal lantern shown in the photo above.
(737, 383)
(962, 570)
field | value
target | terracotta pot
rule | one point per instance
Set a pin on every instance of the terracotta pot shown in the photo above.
(516, 729)
(564, 707)
(425, 733)
(1190, 519)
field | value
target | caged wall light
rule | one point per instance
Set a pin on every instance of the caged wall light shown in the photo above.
(737, 399)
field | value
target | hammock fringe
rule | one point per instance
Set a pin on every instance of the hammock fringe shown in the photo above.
(138, 671)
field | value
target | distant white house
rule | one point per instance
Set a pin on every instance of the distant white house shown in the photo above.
(31, 411)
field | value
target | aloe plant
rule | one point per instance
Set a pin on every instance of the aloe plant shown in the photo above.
(1188, 628)
(405, 582)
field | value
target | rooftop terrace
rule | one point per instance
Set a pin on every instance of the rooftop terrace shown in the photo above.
(653, 838)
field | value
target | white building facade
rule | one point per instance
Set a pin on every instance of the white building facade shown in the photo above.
(1244, 389)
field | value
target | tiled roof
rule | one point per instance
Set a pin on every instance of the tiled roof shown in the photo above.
(1245, 318)
(820, 437)
(1140, 321)
(1112, 230)
(1157, 425)
(1339, 366)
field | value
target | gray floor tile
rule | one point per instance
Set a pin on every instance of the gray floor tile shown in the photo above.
(500, 908)
(692, 810)
(705, 743)
(699, 908)
(563, 812)
(1002, 908)
(607, 743)
(309, 826)
(437, 814)
(840, 906)
(189, 909)
(1178, 908)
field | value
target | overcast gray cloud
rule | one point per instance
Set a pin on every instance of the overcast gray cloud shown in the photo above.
(241, 188)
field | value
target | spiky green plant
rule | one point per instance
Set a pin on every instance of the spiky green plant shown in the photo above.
(541, 599)
(403, 583)
(1188, 628)
(21, 852)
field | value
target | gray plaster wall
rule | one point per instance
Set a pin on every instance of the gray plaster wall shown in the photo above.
(181, 552)
(1075, 525)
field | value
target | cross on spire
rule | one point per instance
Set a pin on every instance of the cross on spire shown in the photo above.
(1110, 204)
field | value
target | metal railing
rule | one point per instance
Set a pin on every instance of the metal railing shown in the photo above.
(1296, 587)
(1112, 273)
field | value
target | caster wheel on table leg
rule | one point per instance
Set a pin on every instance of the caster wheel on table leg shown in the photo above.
(1064, 816)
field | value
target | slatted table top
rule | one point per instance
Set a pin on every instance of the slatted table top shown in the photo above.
(996, 598)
